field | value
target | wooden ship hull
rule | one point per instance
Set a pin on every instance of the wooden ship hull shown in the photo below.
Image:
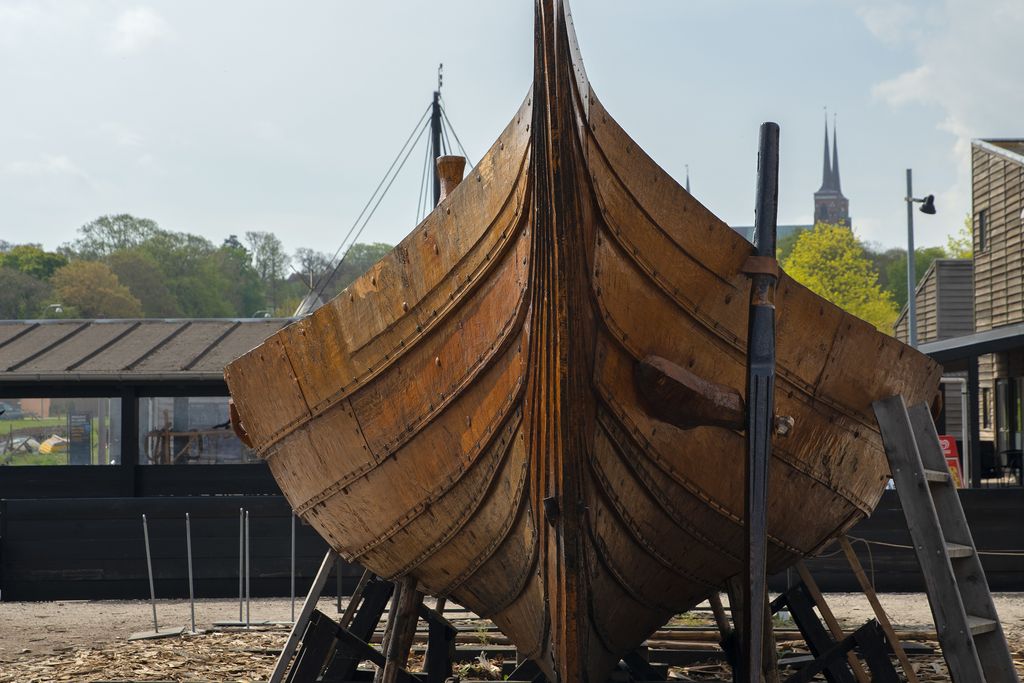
(468, 411)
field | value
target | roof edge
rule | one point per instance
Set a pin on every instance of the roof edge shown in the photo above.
(987, 145)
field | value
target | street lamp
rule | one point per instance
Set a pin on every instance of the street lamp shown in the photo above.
(927, 207)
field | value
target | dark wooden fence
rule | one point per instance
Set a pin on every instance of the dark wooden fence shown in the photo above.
(93, 548)
(127, 480)
(996, 517)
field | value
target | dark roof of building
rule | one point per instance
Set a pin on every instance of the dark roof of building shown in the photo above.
(123, 350)
(970, 345)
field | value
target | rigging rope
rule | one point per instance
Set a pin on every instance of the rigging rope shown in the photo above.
(414, 137)
(421, 203)
(444, 116)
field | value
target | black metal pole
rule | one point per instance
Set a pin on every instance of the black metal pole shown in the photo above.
(435, 142)
(760, 398)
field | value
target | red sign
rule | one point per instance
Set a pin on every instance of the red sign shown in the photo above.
(952, 455)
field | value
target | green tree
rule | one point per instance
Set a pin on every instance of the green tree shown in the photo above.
(94, 291)
(270, 261)
(32, 260)
(961, 243)
(21, 296)
(105, 235)
(144, 278)
(357, 261)
(830, 261)
(245, 292)
(192, 273)
(896, 272)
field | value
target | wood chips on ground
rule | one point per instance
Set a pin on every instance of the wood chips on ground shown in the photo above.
(249, 656)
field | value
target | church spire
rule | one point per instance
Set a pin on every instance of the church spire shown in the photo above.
(826, 168)
(835, 157)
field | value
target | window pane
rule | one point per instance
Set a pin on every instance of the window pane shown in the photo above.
(188, 430)
(60, 431)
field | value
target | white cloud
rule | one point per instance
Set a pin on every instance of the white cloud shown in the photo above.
(48, 165)
(889, 21)
(137, 29)
(969, 66)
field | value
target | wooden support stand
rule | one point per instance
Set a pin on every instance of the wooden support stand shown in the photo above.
(330, 652)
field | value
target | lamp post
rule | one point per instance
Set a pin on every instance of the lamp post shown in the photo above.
(928, 207)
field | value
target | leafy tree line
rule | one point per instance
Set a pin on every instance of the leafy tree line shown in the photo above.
(121, 266)
(860, 278)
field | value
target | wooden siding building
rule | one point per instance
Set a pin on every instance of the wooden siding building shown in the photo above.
(992, 355)
(944, 301)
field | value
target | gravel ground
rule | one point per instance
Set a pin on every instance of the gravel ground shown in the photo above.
(83, 640)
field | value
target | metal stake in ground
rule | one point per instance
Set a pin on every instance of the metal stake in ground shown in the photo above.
(763, 271)
(149, 567)
(191, 590)
(156, 632)
(241, 556)
(247, 553)
(293, 567)
(241, 575)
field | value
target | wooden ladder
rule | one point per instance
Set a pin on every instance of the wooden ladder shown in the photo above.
(965, 617)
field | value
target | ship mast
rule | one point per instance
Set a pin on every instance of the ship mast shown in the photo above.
(435, 134)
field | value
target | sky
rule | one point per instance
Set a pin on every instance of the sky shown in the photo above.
(217, 118)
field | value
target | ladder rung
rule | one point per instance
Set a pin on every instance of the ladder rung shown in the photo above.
(979, 625)
(936, 476)
(958, 550)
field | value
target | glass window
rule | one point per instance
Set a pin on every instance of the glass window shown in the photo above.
(188, 430)
(60, 431)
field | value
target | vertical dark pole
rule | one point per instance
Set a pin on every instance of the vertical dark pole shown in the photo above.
(129, 440)
(760, 397)
(973, 414)
(435, 142)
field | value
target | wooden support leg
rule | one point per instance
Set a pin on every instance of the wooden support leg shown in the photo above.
(357, 597)
(440, 644)
(880, 615)
(830, 620)
(403, 630)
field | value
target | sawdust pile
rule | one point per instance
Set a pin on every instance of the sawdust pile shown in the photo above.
(218, 656)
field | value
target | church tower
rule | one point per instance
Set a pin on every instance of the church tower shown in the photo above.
(830, 206)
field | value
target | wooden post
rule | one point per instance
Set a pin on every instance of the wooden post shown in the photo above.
(403, 630)
(763, 271)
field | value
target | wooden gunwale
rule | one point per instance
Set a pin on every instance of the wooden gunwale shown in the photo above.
(465, 289)
(517, 220)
